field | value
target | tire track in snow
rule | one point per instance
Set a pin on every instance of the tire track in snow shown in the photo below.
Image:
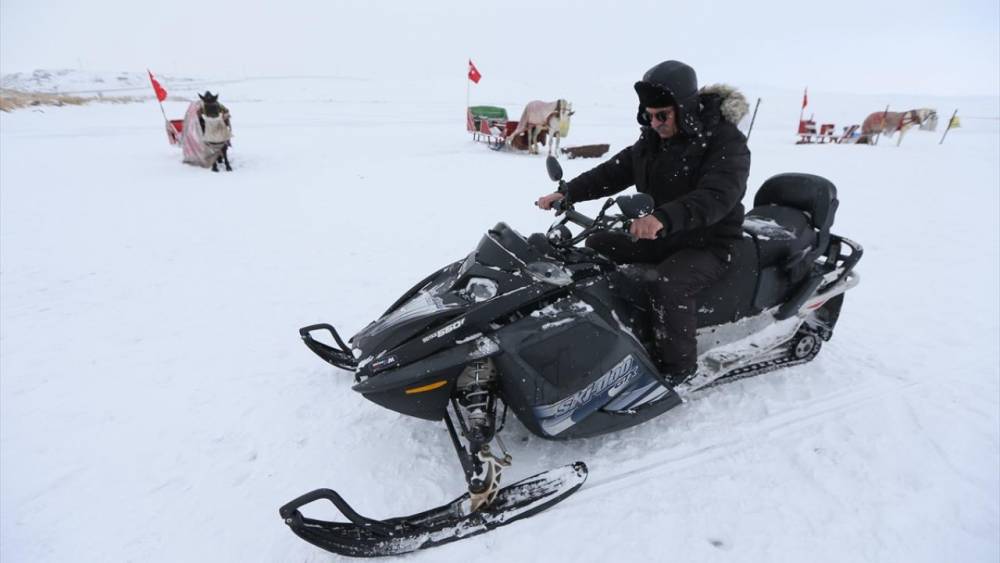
(777, 425)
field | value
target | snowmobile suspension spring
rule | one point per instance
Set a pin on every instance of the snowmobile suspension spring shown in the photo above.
(477, 401)
(476, 396)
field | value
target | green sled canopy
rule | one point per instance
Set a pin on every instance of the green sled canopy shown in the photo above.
(488, 112)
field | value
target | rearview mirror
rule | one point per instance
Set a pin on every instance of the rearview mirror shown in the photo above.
(635, 206)
(555, 171)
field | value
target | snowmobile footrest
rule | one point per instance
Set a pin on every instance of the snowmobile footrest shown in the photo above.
(365, 537)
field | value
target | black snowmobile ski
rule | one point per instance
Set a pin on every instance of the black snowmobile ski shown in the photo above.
(365, 537)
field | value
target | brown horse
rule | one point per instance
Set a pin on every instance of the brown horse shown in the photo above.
(889, 122)
(538, 119)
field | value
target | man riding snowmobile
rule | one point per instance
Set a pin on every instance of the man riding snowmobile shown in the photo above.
(559, 334)
(693, 160)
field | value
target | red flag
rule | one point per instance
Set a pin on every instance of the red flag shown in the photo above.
(805, 98)
(474, 75)
(161, 94)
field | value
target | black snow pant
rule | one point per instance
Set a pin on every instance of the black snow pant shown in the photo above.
(679, 274)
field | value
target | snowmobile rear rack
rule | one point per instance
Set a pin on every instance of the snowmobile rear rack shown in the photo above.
(341, 358)
(835, 260)
(365, 537)
(848, 262)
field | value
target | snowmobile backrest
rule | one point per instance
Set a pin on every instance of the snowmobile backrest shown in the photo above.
(814, 195)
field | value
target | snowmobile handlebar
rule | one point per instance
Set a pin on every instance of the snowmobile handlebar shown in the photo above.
(633, 207)
(564, 207)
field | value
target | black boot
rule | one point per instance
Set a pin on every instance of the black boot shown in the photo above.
(677, 376)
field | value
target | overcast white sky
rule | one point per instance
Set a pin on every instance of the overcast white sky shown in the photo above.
(912, 46)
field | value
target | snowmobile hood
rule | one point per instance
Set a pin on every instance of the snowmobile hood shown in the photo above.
(458, 301)
(429, 303)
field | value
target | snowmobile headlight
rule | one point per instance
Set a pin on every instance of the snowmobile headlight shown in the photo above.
(479, 289)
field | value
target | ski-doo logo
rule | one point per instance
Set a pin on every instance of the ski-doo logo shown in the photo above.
(612, 382)
(444, 330)
(560, 415)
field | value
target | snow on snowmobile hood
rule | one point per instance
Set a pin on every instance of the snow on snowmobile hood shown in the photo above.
(503, 263)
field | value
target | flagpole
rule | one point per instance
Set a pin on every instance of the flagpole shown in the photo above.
(950, 121)
(163, 111)
(754, 118)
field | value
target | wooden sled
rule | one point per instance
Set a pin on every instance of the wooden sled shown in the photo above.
(585, 151)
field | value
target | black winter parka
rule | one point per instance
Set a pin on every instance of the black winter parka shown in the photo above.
(697, 177)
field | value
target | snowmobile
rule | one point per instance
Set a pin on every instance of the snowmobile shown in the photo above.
(560, 335)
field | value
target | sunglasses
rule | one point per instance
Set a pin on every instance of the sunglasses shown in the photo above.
(661, 115)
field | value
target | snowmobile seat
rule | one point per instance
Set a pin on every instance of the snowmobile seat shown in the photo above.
(777, 201)
(781, 233)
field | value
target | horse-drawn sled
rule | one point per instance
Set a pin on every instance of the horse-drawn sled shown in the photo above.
(489, 124)
(541, 122)
(175, 128)
(808, 134)
(879, 123)
(205, 133)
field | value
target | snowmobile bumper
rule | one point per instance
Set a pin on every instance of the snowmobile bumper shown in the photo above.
(340, 357)
(365, 537)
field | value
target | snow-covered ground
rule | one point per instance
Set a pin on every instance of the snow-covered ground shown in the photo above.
(156, 403)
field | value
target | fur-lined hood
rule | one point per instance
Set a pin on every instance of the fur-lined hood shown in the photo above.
(705, 110)
(732, 103)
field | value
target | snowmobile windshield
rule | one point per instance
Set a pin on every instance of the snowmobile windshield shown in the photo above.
(506, 249)
(421, 305)
(428, 302)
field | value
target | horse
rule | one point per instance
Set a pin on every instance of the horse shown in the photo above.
(216, 129)
(889, 122)
(538, 119)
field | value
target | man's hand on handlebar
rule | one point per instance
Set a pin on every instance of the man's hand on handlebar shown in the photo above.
(645, 227)
(546, 201)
